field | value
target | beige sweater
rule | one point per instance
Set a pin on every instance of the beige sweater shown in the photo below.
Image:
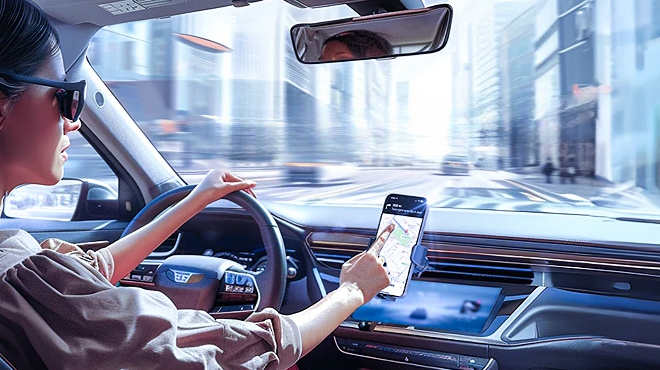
(59, 311)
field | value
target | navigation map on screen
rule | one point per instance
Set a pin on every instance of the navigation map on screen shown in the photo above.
(407, 214)
(398, 248)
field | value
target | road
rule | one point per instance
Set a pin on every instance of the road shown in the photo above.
(481, 189)
(499, 190)
(366, 186)
(485, 190)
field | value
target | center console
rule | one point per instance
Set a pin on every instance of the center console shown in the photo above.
(469, 316)
(440, 360)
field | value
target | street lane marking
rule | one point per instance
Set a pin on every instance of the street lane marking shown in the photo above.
(327, 194)
(535, 192)
(392, 185)
(574, 197)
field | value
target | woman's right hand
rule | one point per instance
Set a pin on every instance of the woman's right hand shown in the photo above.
(217, 184)
(362, 277)
(365, 271)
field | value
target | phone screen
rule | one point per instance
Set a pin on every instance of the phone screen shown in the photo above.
(407, 213)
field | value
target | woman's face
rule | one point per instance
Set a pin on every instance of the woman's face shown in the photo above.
(33, 133)
(335, 50)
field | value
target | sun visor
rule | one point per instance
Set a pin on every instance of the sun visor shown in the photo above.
(362, 7)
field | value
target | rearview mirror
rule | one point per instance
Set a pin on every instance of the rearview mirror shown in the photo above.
(388, 35)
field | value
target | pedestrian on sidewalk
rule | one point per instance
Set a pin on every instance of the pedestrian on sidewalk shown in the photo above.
(571, 169)
(548, 169)
(568, 170)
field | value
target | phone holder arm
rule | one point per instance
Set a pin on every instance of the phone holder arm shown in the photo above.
(419, 260)
(420, 263)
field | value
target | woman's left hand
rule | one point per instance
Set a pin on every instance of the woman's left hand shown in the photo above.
(217, 184)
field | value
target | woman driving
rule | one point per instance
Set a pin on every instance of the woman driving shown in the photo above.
(60, 308)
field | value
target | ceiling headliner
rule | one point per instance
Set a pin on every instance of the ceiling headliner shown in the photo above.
(90, 11)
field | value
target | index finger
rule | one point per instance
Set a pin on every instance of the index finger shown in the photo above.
(251, 192)
(380, 240)
(235, 178)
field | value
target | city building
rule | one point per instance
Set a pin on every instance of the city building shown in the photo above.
(566, 107)
(577, 78)
(517, 76)
(477, 106)
(628, 134)
(464, 133)
(546, 85)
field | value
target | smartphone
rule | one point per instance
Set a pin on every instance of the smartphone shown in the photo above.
(408, 214)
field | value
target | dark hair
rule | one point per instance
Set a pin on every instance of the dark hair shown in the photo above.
(363, 43)
(27, 39)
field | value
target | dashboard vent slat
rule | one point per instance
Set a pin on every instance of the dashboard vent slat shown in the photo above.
(168, 247)
(333, 249)
(443, 267)
(455, 268)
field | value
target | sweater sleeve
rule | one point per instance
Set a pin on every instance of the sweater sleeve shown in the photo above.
(74, 318)
(100, 260)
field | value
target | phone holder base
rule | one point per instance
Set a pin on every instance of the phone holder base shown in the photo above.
(420, 263)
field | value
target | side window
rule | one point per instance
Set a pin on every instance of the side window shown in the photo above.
(89, 190)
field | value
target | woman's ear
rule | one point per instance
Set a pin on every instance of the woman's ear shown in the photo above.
(2, 109)
(7, 101)
(5, 108)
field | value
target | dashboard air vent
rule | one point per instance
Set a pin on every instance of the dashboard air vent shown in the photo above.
(464, 269)
(168, 246)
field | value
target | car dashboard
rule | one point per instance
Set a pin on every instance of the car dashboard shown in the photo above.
(498, 306)
(485, 302)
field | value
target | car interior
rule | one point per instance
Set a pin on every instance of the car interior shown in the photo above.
(509, 289)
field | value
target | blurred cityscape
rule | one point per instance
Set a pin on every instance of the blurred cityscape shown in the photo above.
(533, 82)
(247, 100)
(562, 81)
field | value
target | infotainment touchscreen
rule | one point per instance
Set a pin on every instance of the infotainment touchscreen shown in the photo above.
(435, 306)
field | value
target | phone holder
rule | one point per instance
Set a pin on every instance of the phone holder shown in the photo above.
(419, 260)
(420, 263)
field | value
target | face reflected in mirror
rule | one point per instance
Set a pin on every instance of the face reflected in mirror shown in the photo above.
(355, 44)
(335, 50)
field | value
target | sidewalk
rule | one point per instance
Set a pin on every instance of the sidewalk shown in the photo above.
(584, 187)
(592, 188)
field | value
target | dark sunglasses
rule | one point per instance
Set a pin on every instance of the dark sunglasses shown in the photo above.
(70, 96)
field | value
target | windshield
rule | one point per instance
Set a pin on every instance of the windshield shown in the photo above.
(536, 106)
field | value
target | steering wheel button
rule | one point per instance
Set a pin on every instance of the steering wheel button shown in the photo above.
(230, 278)
(136, 277)
(148, 279)
(241, 279)
(240, 289)
(229, 288)
(249, 289)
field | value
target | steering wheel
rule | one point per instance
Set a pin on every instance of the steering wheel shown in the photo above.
(271, 282)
